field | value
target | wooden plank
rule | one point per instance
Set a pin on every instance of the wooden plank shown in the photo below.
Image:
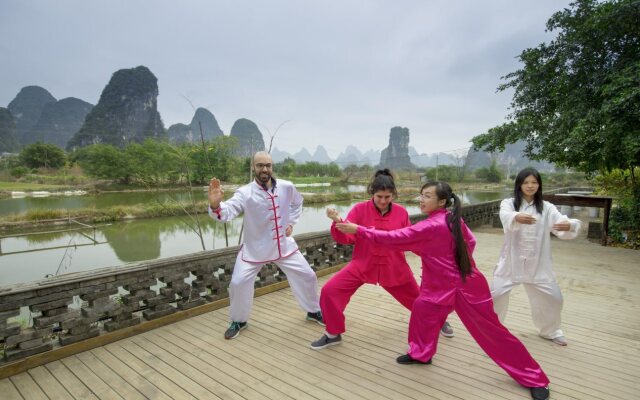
(27, 387)
(49, 383)
(164, 384)
(72, 384)
(207, 382)
(213, 368)
(8, 390)
(176, 377)
(268, 377)
(255, 357)
(129, 374)
(85, 375)
(357, 375)
(109, 377)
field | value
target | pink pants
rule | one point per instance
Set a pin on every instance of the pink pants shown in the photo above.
(337, 292)
(483, 325)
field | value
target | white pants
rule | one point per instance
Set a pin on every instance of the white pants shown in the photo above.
(545, 300)
(303, 281)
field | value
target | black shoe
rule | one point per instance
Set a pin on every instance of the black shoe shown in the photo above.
(539, 393)
(234, 329)
(315, 317)
(326, 341)
(406, 359)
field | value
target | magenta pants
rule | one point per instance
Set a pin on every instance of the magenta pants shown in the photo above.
(337, 292)
(483, 325)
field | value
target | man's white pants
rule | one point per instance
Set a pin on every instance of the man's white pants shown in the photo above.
(545, 300)
(302, 279)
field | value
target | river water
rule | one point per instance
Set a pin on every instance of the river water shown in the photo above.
(34, 256)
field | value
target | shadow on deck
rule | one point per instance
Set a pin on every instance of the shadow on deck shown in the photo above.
(272, 358)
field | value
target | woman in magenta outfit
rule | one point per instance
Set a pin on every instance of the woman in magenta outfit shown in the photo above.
(451, 282)
(369, 263)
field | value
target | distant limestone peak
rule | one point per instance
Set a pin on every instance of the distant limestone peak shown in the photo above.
(210, 127)
(8, 140)
(59, 121)
(126, 112)
(321, 156)
(249, 137)
(27, 107)
(396, 155)
(181, 133)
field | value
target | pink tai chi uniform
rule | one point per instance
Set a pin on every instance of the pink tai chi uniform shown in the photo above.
(443, 291)
(369, 264)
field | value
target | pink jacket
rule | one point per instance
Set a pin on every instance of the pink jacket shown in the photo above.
(432, 240)
(371, 263)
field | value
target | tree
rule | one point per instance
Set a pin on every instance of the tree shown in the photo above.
(577, 98)
(493, 174)
(104, 161)
(38, 155)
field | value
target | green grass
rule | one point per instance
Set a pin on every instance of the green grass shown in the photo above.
(28, 186)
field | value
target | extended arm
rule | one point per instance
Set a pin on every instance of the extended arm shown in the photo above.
(411, 238)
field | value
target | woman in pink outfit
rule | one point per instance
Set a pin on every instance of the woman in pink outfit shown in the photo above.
(369, 263)
(451, 282)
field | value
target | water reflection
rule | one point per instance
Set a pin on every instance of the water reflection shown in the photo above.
(134, 242)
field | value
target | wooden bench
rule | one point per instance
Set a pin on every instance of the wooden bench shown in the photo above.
(582, 200)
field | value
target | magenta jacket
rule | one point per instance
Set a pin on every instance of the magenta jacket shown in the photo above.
(432, 240)
(372, 263)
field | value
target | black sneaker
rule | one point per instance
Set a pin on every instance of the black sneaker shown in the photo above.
(539, 393)
(326, 341)
(316, 317)
(406, 359)
(234, 330)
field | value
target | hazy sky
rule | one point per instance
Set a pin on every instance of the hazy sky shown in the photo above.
(343, 72)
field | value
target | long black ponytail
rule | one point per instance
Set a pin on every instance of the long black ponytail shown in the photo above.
(444, 192)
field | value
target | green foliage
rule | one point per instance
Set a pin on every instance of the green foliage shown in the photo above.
(104, 161)
(289, 168)
(446, 173)
(218, 161)
(152, 162)
(19, 171)
(286, 167)
(624, 221)
(489, 174)
(577, 98)
(42, 155)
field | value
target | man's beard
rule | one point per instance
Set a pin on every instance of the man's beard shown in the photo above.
(263, 177)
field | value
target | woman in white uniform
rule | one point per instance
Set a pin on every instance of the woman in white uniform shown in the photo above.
(525, 258)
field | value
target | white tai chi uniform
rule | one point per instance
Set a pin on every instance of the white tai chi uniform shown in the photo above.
(526, 258)
(267, 213)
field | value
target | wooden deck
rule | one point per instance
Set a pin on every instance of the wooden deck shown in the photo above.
(272, 359)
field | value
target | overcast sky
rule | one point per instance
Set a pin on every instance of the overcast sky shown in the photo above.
(342, 72)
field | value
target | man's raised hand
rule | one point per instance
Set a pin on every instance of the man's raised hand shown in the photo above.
(215, 193)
